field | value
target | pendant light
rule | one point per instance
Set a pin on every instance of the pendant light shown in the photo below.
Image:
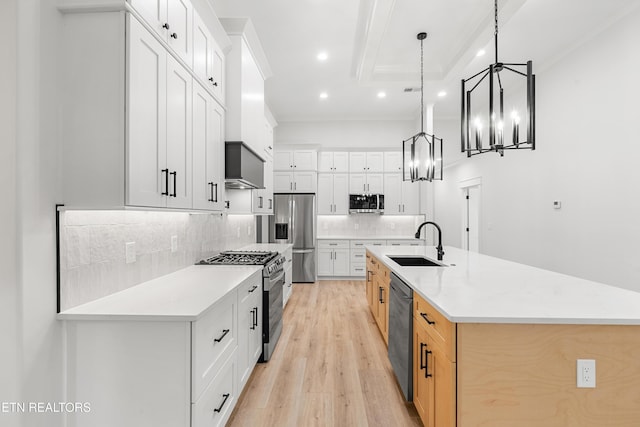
(488, 108)
(422, 153)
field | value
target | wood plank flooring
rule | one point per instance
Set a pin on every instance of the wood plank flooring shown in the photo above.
(330, 367)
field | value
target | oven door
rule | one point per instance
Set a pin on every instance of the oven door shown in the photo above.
(272, 313)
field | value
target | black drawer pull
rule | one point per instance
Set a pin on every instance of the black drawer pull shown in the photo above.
(422, 364)
(210, 188)
(253, 288)
(424, 316)
(226, 396)
(224, 334)
(253, 318)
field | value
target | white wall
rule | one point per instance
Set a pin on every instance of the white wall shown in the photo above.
(9, 292)
(356, 134)
(587, 157)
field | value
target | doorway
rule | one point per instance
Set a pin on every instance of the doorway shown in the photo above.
(471, 214)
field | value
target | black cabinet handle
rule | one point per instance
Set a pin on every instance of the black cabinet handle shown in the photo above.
(166, 181)
(422, 364)
(426, 363)
(175, 174)
(213, 82)
(216, 193)
(224, 334)
(165, 26)
(210, 184)
(253, 319)
(380, 289)
(226, 396)
(270, 203)
(424, 316)
(174, 36)
(260, 203)
(253, 288)
(255, 324)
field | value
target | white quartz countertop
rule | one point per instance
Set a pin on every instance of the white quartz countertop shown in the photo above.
(184, 295)
(476, 288)
(270, 247)
(368, 237)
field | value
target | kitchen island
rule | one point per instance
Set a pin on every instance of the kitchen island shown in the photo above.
(496, 343)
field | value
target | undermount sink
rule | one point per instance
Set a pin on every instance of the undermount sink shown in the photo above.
(415, 261)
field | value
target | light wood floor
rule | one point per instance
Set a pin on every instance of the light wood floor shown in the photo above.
(330, 367)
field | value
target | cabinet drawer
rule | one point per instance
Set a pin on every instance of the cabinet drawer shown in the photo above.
(251, 287)
(441, 330)
(355, 244)
(214, 338)
(399, 242)
(358, 269)
(216, 403)
(358, 255)
(333, 244)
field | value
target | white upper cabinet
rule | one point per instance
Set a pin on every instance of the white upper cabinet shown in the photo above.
(208, 136)
(172, 20)
(208, 59)
(400, 197)
(336, 162)
(333, 196)
(295, 160)
(393, 161)
(366, 162)
(159, 117)
(245, 97)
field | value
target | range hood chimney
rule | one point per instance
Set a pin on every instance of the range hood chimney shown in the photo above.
(243, 167)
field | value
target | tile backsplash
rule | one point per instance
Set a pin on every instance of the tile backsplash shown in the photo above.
(365, 225)
(92, 247)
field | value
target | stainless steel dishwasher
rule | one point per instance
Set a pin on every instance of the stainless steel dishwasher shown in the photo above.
(401, 334)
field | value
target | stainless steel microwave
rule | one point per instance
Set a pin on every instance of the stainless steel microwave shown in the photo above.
(366, 203)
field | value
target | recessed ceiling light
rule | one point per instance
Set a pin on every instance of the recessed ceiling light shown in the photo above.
(322, 56)
(382, 95)
(481, 52)
(324, 95)
(442, 94)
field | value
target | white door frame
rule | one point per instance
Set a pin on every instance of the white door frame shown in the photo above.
(464, 186)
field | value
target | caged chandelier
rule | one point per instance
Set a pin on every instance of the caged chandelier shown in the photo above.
(422, 153)
(490, 110)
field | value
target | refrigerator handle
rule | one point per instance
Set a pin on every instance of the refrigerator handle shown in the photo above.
(292, 225)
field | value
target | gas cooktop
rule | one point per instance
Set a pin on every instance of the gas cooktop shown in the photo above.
(240, 258)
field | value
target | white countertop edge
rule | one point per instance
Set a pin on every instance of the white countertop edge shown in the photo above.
(131, 317)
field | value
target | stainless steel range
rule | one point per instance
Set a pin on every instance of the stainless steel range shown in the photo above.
(272, 287)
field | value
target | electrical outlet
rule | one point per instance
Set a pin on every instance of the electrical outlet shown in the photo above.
(130, 252)
(586, 373)
(174, 244)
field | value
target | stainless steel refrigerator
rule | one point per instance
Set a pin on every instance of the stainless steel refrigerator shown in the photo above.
(294, 221)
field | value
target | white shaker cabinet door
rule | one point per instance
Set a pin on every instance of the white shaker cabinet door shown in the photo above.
(375, 161)
(340, 194)
(357, 162)
(207, 149)
(305, 160)
(341, 262)
(325, 194)
(179, 126)
(202, 48)
(410, 198)
(283, 160)
(283, 182)
(305, 182)
(325, 161)
(180, 20)
(146, 175)
(393, 161)
(392, 194)
(375, 183)
(340, 161)
(357, 183)
(154, 12)
(325, 262)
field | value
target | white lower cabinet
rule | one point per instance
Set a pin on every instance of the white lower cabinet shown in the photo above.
(165, 373)
(333, 258)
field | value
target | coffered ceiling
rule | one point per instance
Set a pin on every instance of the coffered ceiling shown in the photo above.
(371, 47)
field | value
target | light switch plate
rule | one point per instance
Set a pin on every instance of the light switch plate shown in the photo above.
(130, 252)
(174, 244)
